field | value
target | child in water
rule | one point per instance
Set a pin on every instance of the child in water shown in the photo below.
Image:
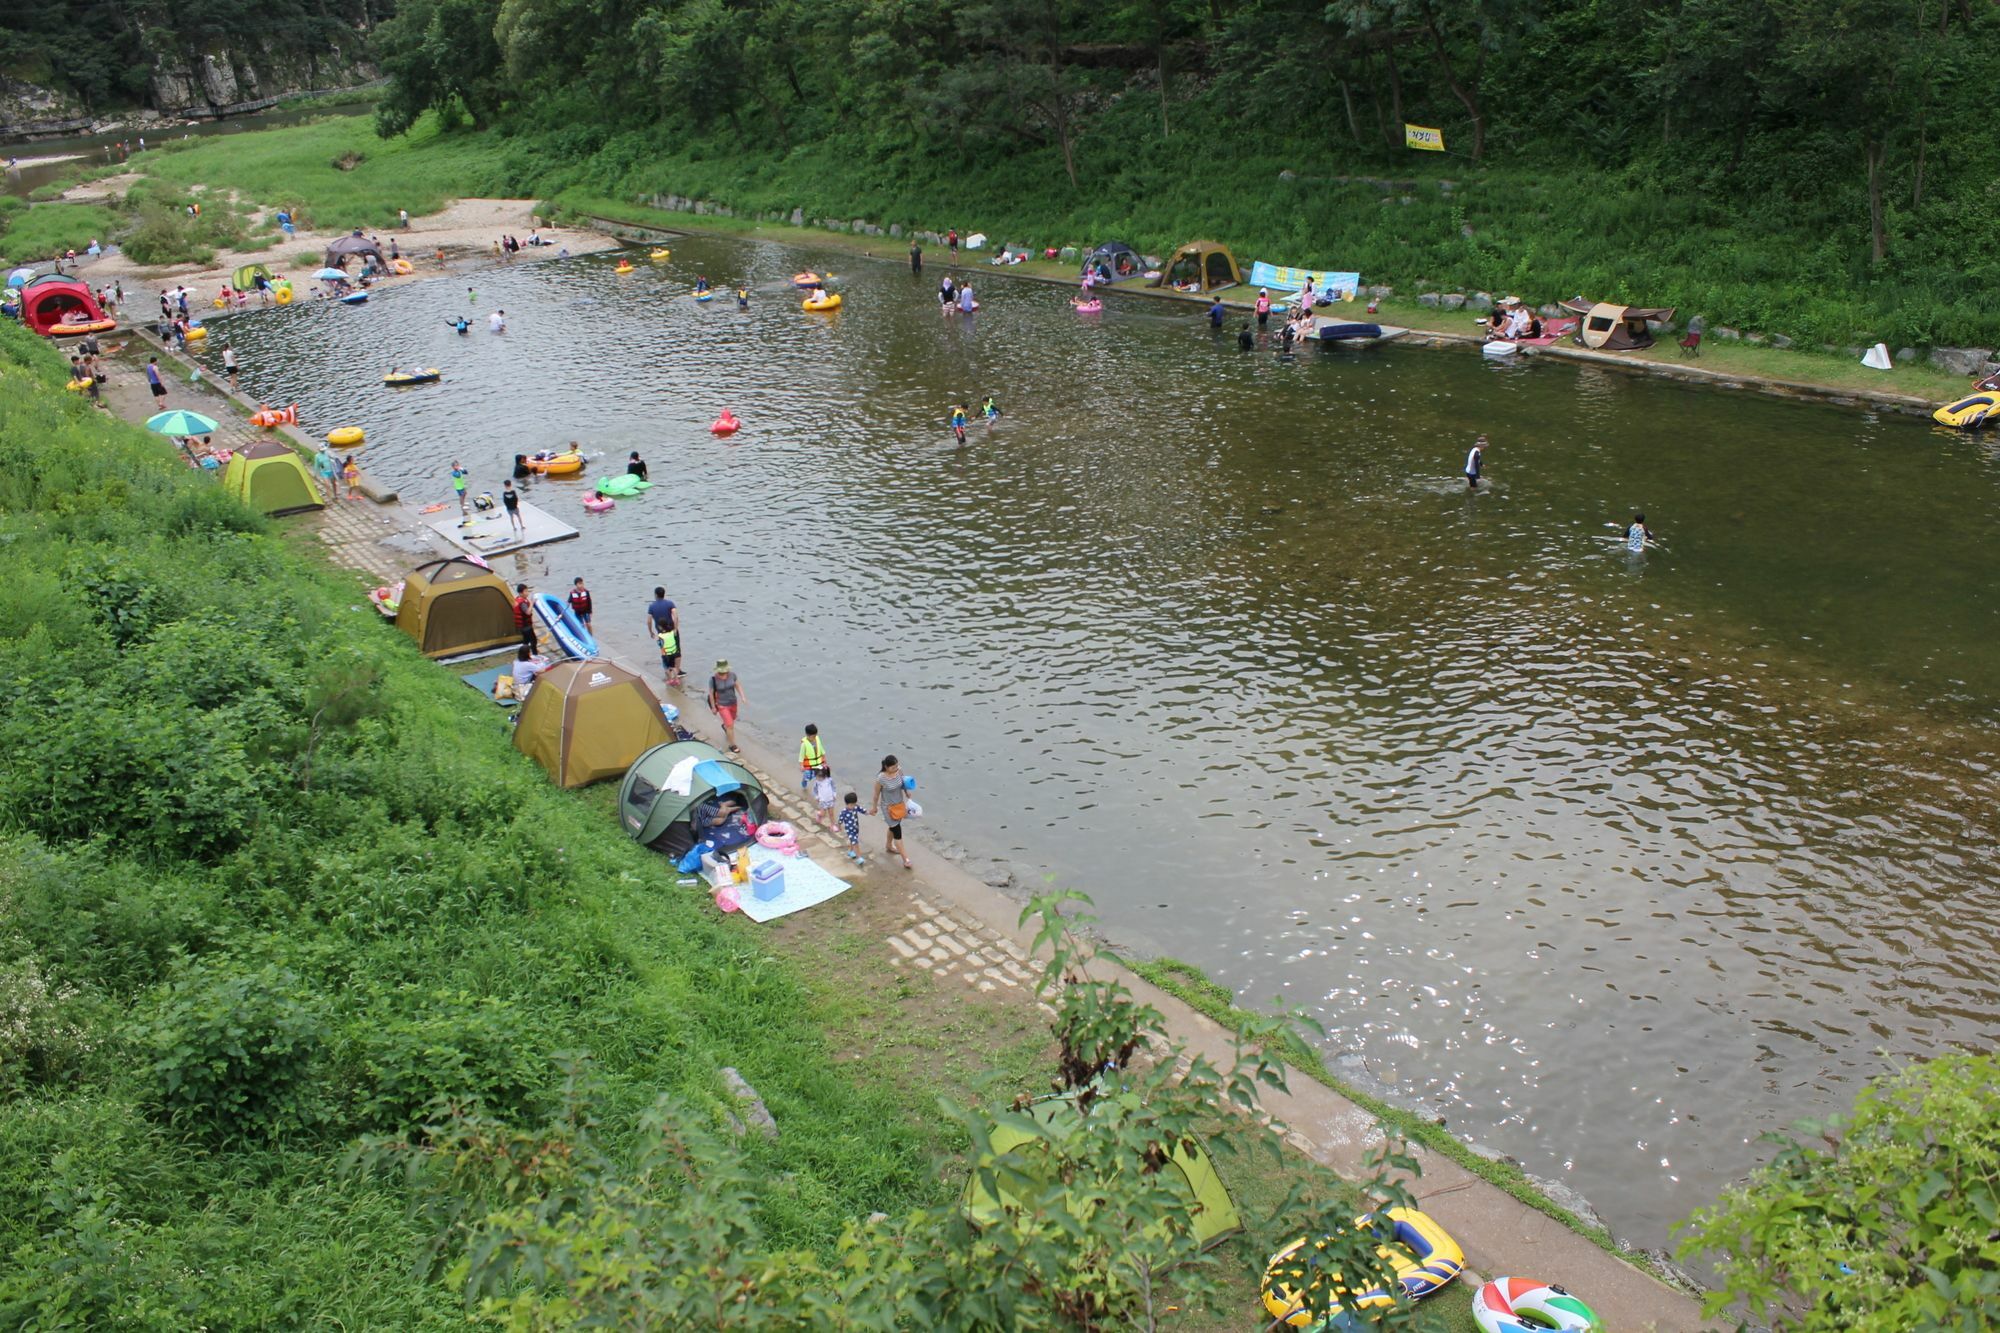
(990, 409)
(700, 283)
(742, 298)
(958, 421)
(1637, 534)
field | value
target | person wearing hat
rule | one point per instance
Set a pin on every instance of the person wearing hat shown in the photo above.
(1263, 308)
(725, 695)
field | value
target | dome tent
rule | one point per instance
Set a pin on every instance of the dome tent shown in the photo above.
(1617, 328)
(588, 720)
(1113, 261)
(456, 606)
(1202, 266)
(355, 244)
(271, 479)
(56, 307)
(664, 819)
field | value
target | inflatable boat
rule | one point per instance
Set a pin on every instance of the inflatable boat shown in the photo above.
(354, 298)
(396, 379)
(1967, 413)
(571, 634)
(824, 301)
(1358, 335)
(555, 465)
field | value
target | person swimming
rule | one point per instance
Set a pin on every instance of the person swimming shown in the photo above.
(1637, 534)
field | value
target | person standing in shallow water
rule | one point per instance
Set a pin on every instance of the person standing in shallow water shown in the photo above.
(891, 797)
(1475, 464)
(916, 257)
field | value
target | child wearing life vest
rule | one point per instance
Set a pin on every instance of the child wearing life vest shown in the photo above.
(958, 421)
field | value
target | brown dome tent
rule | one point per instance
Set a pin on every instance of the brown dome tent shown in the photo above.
(1616, 328)
(454, 606)
(588, 720)
(1201, 266)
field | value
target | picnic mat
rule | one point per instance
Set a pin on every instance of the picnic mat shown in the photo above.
(483, 682)
(805, 885)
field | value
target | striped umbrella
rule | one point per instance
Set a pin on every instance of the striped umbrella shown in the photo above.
(179, 422)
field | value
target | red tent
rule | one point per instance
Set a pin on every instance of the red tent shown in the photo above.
(59, 307)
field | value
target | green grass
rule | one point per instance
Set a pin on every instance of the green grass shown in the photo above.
(40, 233)
(294, 167)
(1191, 985)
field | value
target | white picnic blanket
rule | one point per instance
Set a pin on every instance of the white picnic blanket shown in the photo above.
(805, 885)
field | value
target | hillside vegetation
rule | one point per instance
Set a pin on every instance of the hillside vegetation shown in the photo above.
(1813, 168)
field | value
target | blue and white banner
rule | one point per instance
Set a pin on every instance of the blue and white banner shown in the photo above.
(1283, 278)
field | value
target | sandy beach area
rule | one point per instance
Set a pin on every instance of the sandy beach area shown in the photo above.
(465, 233)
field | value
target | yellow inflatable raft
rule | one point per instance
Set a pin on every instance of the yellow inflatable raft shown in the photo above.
(1422, 1253)
(345, 437)
(1968, 413)
(623, 267)
(658, 255)
(561, 465)
(829, 301)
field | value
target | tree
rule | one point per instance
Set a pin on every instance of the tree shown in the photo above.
(554, 1227)
(439, 55)
(1889, 1219)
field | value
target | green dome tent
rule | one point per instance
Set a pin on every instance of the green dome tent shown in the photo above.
(1188, 1170)
(663, 818)
(271, 479)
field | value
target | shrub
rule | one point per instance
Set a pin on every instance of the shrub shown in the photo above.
(233, 1051)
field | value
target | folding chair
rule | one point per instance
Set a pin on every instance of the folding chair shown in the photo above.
(1691, 345)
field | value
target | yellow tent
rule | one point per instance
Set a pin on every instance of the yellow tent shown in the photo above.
(271, 479)
(588, 720)
(1201, 266)
(454, 606)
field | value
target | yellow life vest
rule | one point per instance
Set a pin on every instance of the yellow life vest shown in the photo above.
(812, 755)
(670, 643)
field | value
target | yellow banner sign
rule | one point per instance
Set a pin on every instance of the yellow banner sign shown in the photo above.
(1423, 137)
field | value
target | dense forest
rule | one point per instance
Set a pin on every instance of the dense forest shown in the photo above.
(1830, 147)
(105, 53)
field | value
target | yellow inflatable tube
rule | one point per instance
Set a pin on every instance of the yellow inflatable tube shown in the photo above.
(283, 296)
(196, 333)
(1422, 1254)
(345, 437)
(658, 255)
(831, 301)
(402, 266)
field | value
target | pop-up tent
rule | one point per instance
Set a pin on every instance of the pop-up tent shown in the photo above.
(1188, 1170)
(245, 277)
(666, 787)
(1616, 328)
(271, 479)
(1113, 261)
(588, 720)
(455, 606)
(1201, 266)
(59, 307)
(355, 244)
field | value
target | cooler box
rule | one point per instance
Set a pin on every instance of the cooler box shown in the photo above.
(767, 880)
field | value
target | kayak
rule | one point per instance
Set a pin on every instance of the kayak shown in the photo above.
(396, 379)
(570, 633)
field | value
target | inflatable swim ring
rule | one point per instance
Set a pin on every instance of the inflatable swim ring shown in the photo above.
(623, 267)
(556, 465)
(806, 279)
(1968, 413)
(402, 266)
(1526, 1305)
(354, 298)
(195, 333)
(345, 437)
(68, 330)
(658, 255)
(622, 484)
(387, 598)
(219, 304)
(77, 386)
(704, 296)
(726, 424)
(1088, 307)
(597, 504)
(779, 837)
(396, 379)
(283, 296)
(270, 418)
(830, 301)
(1422, 1254)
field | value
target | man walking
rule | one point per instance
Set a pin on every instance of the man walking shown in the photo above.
(663, 624)
(229, 363)
(725, 696)
(153, 379)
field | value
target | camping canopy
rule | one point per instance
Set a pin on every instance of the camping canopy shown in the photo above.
(357, 244)
(664, 820)
(1020, 1154)
(1201, 266)
(271, 479)
(454, 606)
(52, 301)
(246, 277)
(1616, 328)
(1113, 261)
(588, 720)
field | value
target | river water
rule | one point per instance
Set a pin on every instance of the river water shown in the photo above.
(1616, 862)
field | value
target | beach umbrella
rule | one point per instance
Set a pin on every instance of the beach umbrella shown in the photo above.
(19, 277)
(178, 422)
(329, 274)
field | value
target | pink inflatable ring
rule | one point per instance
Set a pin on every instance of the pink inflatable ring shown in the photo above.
(779, 837)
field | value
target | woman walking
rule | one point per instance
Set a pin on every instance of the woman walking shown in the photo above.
(891, 797)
